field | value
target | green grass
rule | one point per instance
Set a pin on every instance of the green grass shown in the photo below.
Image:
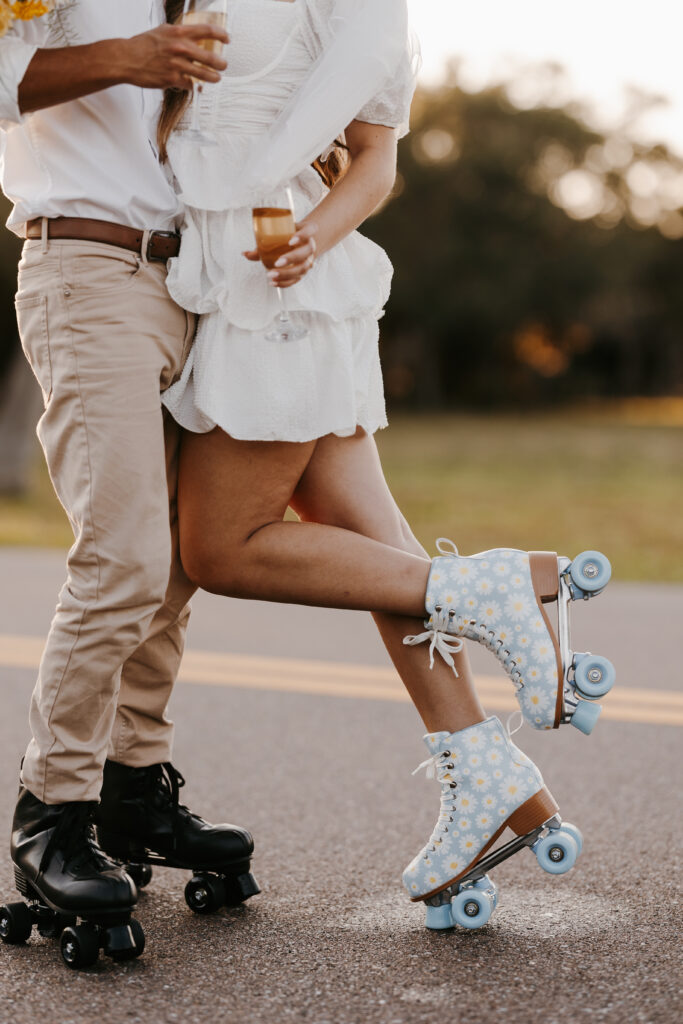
(565, 482)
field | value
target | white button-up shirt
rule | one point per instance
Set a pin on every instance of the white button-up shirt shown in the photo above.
(93, 157)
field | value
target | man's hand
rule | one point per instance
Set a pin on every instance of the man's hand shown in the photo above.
(169, 57)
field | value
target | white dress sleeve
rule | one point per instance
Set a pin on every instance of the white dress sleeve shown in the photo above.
(391, 106)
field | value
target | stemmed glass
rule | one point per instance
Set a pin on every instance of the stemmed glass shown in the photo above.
(203, 12)
(274, 227)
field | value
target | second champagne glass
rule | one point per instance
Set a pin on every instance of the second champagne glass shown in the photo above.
(203, 12)
(274, 226)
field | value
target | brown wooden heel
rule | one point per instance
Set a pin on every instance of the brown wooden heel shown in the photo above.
(533, 812)
(544, 575)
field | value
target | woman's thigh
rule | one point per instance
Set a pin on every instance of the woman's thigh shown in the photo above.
(344, 485)
(228, 489)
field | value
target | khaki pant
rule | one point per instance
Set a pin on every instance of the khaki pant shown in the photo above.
(104, 339)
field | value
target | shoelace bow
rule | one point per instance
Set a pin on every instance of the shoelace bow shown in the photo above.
(439, 638)
(74, 835)
(438, 767)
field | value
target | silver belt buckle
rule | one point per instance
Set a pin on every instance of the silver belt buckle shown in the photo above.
(159, 234)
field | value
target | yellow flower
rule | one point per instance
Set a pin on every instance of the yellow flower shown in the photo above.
(25, 10)
(22, 10)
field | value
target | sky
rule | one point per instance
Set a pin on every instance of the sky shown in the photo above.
(606, 46)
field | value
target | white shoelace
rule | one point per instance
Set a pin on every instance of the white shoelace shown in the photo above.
(439, 640)
(448, 793)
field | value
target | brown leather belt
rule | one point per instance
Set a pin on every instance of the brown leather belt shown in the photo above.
(161, 245)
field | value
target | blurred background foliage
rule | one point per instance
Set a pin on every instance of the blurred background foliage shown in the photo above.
(537, 260)
(532, 347)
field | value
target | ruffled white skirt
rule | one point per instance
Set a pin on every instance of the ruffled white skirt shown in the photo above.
(259, 390)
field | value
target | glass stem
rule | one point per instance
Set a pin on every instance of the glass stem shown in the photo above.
(195, 107)
(284, 312)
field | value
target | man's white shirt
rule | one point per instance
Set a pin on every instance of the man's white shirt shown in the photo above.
(94, 157)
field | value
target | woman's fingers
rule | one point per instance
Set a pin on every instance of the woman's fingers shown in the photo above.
(296, 263)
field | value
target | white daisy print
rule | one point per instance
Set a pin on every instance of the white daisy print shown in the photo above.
(533, 674)
(517, 580)
(501, 569)
(537, 624)
(517, 607)
(502, 588)
(490, 611)
(481, 781)
(536, 698)
(484, 586)
(494, 756)
(466, 570)
(543, 650)
(468, 844)
(511, 788)
(474, 760)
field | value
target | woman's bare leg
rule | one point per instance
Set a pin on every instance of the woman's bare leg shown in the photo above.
(344, 486)
(232, 497)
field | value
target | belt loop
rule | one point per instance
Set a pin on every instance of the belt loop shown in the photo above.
(145, 246)
(44, 244)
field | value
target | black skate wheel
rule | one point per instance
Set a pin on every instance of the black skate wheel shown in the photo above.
(239, 888)
(140, 873)
(134, 951)
(16, 923)
(204, 894)
(80, 946)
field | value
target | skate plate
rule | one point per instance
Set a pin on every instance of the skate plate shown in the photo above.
(118, 934)
(471, 901)
(208, 890)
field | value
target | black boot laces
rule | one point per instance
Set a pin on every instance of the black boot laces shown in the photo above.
(163, 791)
(74, 836)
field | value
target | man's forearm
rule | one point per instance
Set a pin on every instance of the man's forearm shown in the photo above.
(57, 76)
(169, 56)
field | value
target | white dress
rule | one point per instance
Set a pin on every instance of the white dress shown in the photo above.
(255, 389)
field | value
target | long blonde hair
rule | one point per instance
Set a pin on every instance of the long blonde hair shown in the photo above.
(176, 101)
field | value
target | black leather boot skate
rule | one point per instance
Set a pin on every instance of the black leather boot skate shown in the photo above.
(64, 875)
(141, 822)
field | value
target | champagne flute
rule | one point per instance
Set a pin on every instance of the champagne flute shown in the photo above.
(274, 226)
(203, 12)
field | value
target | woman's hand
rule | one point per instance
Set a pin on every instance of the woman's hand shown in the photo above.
(294, 265)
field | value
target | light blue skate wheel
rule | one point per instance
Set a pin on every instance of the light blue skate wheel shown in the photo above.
(471, 908)
(556, 852)
(591, 571)
(439, 918)
(585, 716)
(594, 676)
(486, 885)
(575, 832)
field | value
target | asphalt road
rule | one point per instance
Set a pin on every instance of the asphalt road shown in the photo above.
(322, 778)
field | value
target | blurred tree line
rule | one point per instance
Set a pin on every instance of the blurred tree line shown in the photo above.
(537, 261)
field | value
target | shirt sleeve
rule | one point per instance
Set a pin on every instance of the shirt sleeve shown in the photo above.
(391, 106)
(15, 56)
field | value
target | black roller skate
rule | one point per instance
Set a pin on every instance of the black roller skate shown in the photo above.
(64, 876)
(141, 823)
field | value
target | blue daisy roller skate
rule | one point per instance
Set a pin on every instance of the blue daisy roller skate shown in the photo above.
(487, 785)
(498, 598)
